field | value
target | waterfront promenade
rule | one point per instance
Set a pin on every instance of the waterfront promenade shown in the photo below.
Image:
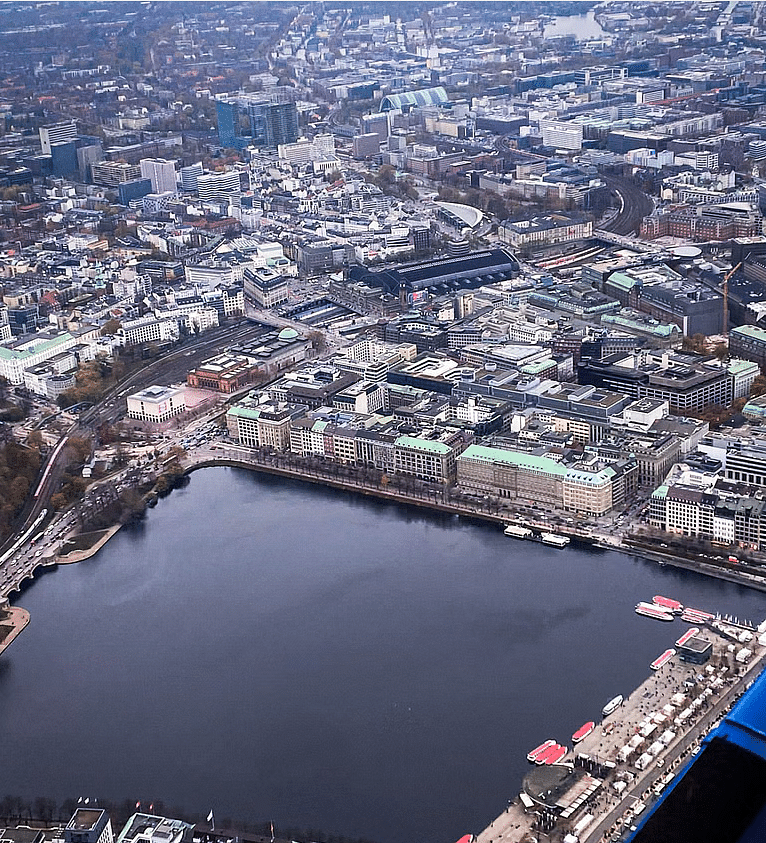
(394, 488)
(613, 813)
(448, 500)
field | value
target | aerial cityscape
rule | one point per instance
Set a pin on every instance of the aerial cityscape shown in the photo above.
(382, 405)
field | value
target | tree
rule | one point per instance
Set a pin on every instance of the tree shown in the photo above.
(59, 501)
(759, 386)
(695, 343)
(35, 440)
(111, 327)
(318, 341)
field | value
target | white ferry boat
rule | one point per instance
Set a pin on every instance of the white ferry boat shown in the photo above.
(554, 540)
(612, 705)
(517, 532)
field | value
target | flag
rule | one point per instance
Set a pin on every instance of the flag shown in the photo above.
(210, 816)
(272, 829)
(138, 805)
(151, 806)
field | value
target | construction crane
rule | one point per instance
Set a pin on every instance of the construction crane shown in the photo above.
(726, 297)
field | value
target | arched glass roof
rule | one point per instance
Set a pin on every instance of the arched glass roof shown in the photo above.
(408, 99)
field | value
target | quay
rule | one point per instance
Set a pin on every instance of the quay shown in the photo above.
(441, 499)
(426, 496)
(13, 619)
(598, 791)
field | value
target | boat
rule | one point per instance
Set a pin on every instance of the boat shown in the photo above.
(554, 755)
(663, 659)
(612, 705)
(583, 731)
(554, 540)
(517, 532)
(667, 604)
(649, 610)
(542, 758)
(687, 636)
(539, 750)
(696, 616)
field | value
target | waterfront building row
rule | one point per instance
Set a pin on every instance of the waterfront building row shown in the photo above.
(445, 452)
(719, 514)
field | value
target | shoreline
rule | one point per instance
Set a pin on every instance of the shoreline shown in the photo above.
(432, 504)
(79, 555)
(18, 618)
(690, 564)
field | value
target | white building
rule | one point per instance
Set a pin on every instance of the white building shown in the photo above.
(560, 135)
(157, 403)
(57, 133)
(189, 176)
(219, 186)
(161, 173)
(148, 329)
(31, 350)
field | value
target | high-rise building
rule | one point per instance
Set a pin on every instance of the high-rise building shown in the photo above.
(221, 186)
(129, 191)
(64, 158)
(88, 154)
(57, 133)
(161, 172)
(366, 146)
(189, 176)
(376, 124)
(112, 173)
(256, 120)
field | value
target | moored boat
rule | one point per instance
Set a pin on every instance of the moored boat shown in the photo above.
(696, 616)
(649, 610)
(554, 540)
(539, 750)
(687, 636)
(612, 705)
(554, 756)
(549, 753)
(583, 731)
(667, 604)
(663, 659)
(517, 532)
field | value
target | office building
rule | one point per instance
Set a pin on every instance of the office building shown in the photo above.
(57, 133)
(89, 825)
(64, 159)
(256, 120)
(162, 174)
(265, 286)
(114, 173)
(87, 155)
(221, 187)
(129, 191)
(189, 176)
(366, 146)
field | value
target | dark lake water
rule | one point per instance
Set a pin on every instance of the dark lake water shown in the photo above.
(274, 650)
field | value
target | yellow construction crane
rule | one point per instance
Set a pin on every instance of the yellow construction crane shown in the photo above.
(726, 297)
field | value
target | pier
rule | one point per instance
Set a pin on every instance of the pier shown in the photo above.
(625, 763)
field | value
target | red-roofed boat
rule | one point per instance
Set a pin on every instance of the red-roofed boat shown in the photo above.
(539, 750)
(663, 659)
(583, 731)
